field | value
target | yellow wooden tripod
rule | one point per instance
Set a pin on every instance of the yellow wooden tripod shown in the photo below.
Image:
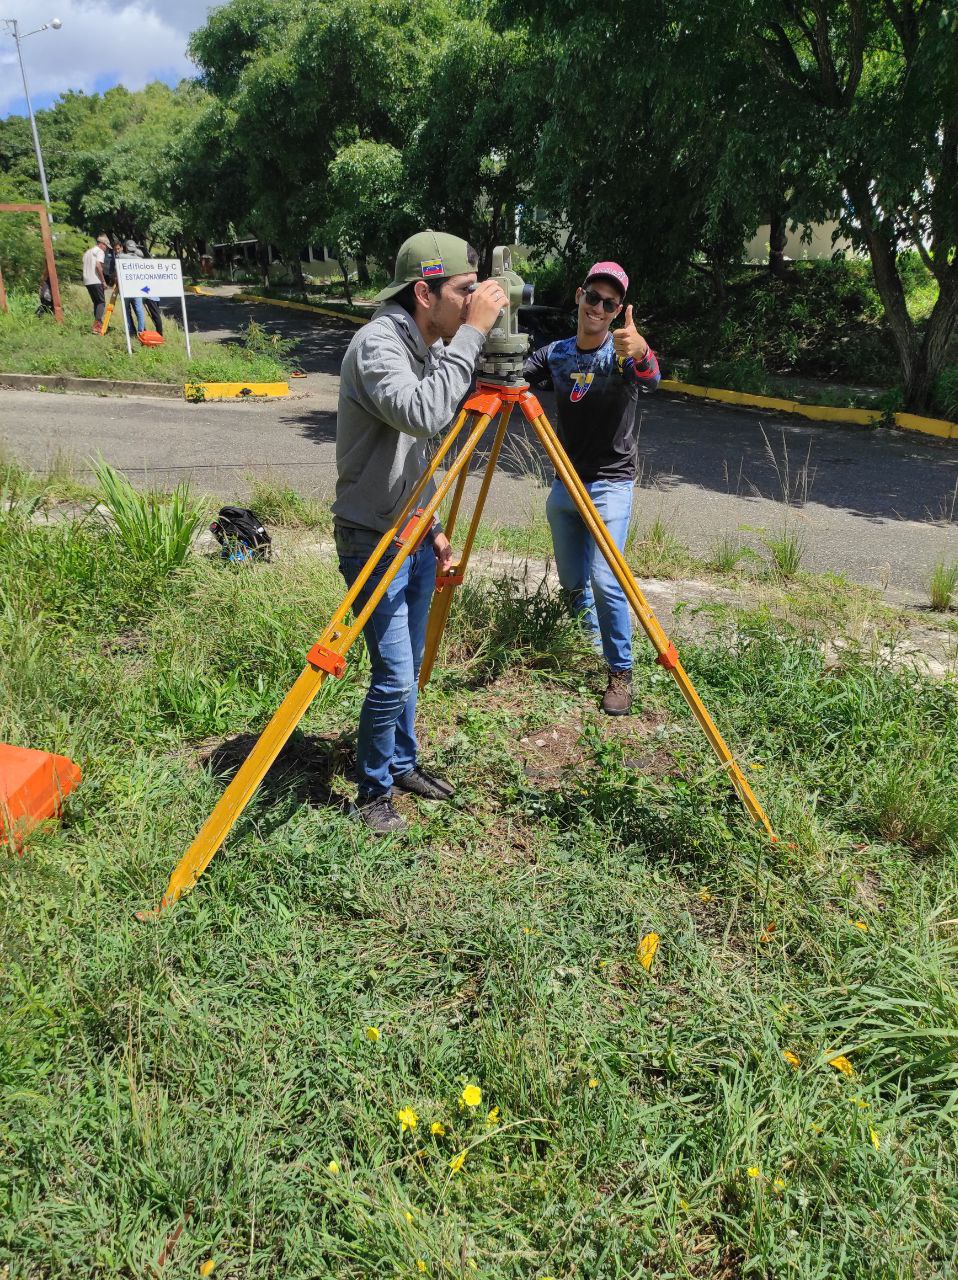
(327, 657)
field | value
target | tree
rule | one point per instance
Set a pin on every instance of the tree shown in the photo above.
(370, 209)
(472, 153)
(301, 80)
(876, 84)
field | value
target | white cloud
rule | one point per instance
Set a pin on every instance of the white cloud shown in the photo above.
(101, 42)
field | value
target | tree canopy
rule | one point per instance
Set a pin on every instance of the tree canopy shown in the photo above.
(663, 137)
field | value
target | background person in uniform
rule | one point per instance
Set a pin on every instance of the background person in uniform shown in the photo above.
(598, 377)
(94, 280)
(402, 380)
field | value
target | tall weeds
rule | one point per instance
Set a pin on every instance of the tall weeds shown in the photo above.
(154, 529)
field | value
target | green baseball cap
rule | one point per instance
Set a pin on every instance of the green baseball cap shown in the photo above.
(429, 255)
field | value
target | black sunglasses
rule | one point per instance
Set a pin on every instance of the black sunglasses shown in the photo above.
(593, 298)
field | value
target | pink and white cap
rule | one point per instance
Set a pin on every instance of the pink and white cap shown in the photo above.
(612, 271)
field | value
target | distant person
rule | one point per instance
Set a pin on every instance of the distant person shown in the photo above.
(95, 280)
(132, 250)
(45, 304)
(109, 264)
(134, 306)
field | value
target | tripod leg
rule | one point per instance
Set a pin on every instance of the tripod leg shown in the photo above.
(108, 314)
(667, 655)
(446, 583)
(327, 657)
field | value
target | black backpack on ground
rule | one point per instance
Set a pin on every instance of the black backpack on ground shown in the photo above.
(241, 534)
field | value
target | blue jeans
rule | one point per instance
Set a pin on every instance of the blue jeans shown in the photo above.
(595, 595)
(136, 305)
(395, 637)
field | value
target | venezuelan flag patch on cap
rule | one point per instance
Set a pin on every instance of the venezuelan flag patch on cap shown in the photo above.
(432, 267)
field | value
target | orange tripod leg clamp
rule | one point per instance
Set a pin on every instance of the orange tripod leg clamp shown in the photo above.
(669, 658)
(325, 659)
(451, 579)
(406, 532)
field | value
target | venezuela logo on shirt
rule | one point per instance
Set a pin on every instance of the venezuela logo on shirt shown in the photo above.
(581, 382)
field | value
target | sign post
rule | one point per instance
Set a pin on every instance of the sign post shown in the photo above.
(151, 278)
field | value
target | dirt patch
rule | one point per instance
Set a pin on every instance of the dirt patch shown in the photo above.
(548, 753)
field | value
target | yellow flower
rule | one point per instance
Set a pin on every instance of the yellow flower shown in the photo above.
(860, 1103)
(876, 1142)
(473, 1264)
(778, 1184)
(471, 1095)
(684, 1204)
(333, 1167)
(492, 1119)
(420, 1265)
(437, 1129)
(757, 767)
(645, 951)
(842, 1064)
(456, 1163)
(206, 1268)
(791, 1058)
(703, 895)
(372, 1033)
(407, 1118)
(408, 1215)
(593, 1083)
(861, 924)
(753, 1172)
(603, 963)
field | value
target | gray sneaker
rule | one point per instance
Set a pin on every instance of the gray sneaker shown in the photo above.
(378, 814)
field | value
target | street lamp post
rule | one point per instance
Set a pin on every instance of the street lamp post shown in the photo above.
(55, 24)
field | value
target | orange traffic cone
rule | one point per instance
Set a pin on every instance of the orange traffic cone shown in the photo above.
(32, 787)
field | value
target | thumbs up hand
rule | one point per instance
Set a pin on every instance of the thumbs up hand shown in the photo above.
(628, 341)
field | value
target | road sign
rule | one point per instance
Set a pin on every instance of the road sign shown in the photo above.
(151, 278)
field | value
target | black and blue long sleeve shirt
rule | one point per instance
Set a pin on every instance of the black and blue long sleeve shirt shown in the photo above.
(597, 394)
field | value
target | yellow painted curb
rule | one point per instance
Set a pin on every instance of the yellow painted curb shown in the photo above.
(195, 288)
(818, 412)
(929, 426)
(302, 306)
(234, 390)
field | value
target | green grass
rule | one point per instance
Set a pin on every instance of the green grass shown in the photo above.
(207, 1070)
(942, 584)
(38, 345)
(278, 503)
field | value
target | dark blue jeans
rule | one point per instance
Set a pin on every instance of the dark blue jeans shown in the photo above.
(395, 636)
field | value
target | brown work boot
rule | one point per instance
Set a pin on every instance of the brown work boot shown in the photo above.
(98, 329)
(618, 696)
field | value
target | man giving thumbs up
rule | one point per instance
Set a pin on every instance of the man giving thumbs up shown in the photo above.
(598, 377)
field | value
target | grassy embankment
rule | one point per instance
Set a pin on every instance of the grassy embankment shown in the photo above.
(38, 345)
(775, 1095)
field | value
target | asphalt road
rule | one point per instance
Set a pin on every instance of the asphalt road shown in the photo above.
(877, 506)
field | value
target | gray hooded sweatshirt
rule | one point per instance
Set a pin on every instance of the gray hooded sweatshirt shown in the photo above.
(395, 394)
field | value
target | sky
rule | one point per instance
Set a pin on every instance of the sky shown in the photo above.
(101, 43)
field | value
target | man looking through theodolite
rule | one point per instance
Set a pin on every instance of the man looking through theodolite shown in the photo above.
(402, 380)
(598, 377)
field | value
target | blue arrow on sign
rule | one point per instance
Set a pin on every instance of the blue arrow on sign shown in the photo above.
(145, 289)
